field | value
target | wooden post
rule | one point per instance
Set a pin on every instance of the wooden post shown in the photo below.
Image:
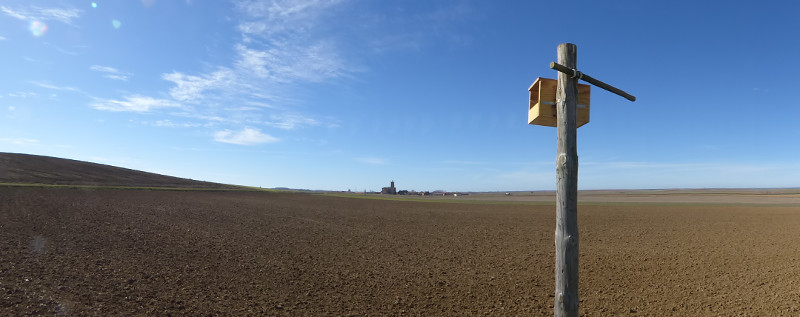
(566, 98)
(566, 296)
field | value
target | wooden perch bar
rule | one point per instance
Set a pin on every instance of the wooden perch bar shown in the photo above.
(589, 79)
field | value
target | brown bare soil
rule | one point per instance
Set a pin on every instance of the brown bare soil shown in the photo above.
(134, 252)
(745, 196)
(36, 169)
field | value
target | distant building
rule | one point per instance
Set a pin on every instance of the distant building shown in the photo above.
(391, 190)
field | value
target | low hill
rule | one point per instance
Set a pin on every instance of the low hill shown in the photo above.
(35, 169)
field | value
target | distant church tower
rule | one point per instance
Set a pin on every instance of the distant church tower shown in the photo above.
(391, 190)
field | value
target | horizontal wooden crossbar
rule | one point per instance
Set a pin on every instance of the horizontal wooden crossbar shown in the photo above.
(589, 79)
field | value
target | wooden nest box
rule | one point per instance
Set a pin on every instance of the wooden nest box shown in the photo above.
(542, 110)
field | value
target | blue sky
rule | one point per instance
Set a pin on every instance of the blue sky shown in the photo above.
(350, 94)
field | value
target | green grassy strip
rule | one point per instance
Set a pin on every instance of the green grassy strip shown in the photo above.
(434, 200)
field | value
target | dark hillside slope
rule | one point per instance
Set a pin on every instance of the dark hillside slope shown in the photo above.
(25, 168)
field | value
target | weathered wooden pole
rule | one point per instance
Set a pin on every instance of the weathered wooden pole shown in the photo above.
(566, 296)
(542, 98)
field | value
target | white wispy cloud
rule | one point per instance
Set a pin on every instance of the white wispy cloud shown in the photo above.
(22, 94)
(283, 42)
(61, 15)
(134, 103)
(35, 13)
(110, 72)
(47, 85)
(191, 88)
(104, 69)
(3, 38)
(246, 136)
(14, 14)
(286, 62)
(116, 77)
(285, 53)
(282, 16)
(211, 119)
(291, 121)
(283, 45)
(170, 124)
(54, 87)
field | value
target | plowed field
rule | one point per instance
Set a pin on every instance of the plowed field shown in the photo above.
(72, 252)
